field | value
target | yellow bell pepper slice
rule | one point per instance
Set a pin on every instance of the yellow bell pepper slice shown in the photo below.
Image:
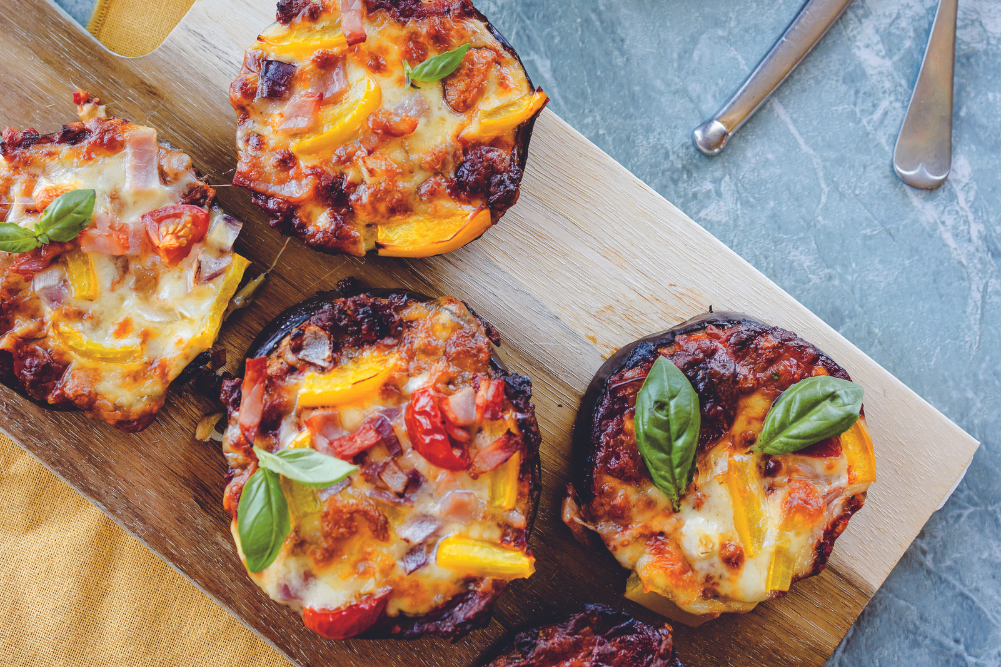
(82, 275)
(341, 122)
(504, 484)
(358, 379)
(857, 446)
(749, 514)
(82, 346)
(483, 559)
(504, 118)
(427, 235)
(213, 321)
(303, 46)
(780, 570)
(302, 441)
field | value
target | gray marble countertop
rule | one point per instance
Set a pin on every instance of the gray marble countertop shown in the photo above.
(806, 193)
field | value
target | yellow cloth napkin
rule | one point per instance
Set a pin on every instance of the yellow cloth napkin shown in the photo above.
(77, 589)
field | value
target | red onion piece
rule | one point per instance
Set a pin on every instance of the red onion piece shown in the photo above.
(210, 266)
(388, 434)
(415, 480)
(389, 498)
(223, 232)
(414, 106)
(394, 477)
(419, 528)
(334, 489)
(415, 558)
(50, 286)
(316, 348)
(275, 79)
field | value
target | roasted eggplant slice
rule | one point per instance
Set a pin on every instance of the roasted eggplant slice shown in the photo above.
(438, 449)
(399, 126)
(133, 269)
(597, 637)
(749, 523)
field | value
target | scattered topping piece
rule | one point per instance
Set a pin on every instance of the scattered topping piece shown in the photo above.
(347, 622)
(749, 514)
(174, 229)
(426, 430)
(504, 118)
(356, 380)
(82, 276)
(479, 558)
(420, 235)
(344, 120)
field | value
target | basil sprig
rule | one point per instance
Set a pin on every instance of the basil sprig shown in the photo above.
(62, 221)
(263, 520)
(306, 466)
(667, 423)
(435, 68)
(809, 411)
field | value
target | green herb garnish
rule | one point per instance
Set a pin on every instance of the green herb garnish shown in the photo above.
(667, 423)
(809, 411)
(263, 520)
(62, 220)
(436, 67)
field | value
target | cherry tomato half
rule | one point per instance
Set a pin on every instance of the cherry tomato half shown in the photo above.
(426, 430)
(348, 621)
(174, 229)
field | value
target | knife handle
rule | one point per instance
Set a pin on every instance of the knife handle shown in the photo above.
(813, 21)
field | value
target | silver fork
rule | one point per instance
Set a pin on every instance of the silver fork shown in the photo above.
(923, 155)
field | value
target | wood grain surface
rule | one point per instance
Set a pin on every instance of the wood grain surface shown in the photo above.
(589, 259)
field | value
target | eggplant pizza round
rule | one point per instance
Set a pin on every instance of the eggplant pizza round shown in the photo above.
(719, 461)
(115, 267)
(384, 466)
(599, 636)
(400, 126)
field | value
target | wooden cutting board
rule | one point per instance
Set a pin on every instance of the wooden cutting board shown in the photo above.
(589, 259)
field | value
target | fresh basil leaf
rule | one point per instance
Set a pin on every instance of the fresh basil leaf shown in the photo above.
(667, 424)
(262, 519)
(66, 216)
(436, 67)
(306, 466)
(14, 238)
(809, 411)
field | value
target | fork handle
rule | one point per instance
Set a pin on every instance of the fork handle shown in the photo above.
(812, 23)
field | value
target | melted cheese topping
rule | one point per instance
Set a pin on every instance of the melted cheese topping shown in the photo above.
(392, 179)
(334, 557)
(123, 323)
(742, 536)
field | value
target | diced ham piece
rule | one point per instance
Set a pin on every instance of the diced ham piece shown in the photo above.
(352, 15)
(33, 261)
(489, 399)
(460, 407)
(252, 397)
(300, 114)
(141, 165)
(331, 83)
(106, 242)
(330, 441)
(496, 453)
(316, 347)
(461, 505)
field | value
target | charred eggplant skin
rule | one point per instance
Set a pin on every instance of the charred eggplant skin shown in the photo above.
(470, 610)
(599, 631)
